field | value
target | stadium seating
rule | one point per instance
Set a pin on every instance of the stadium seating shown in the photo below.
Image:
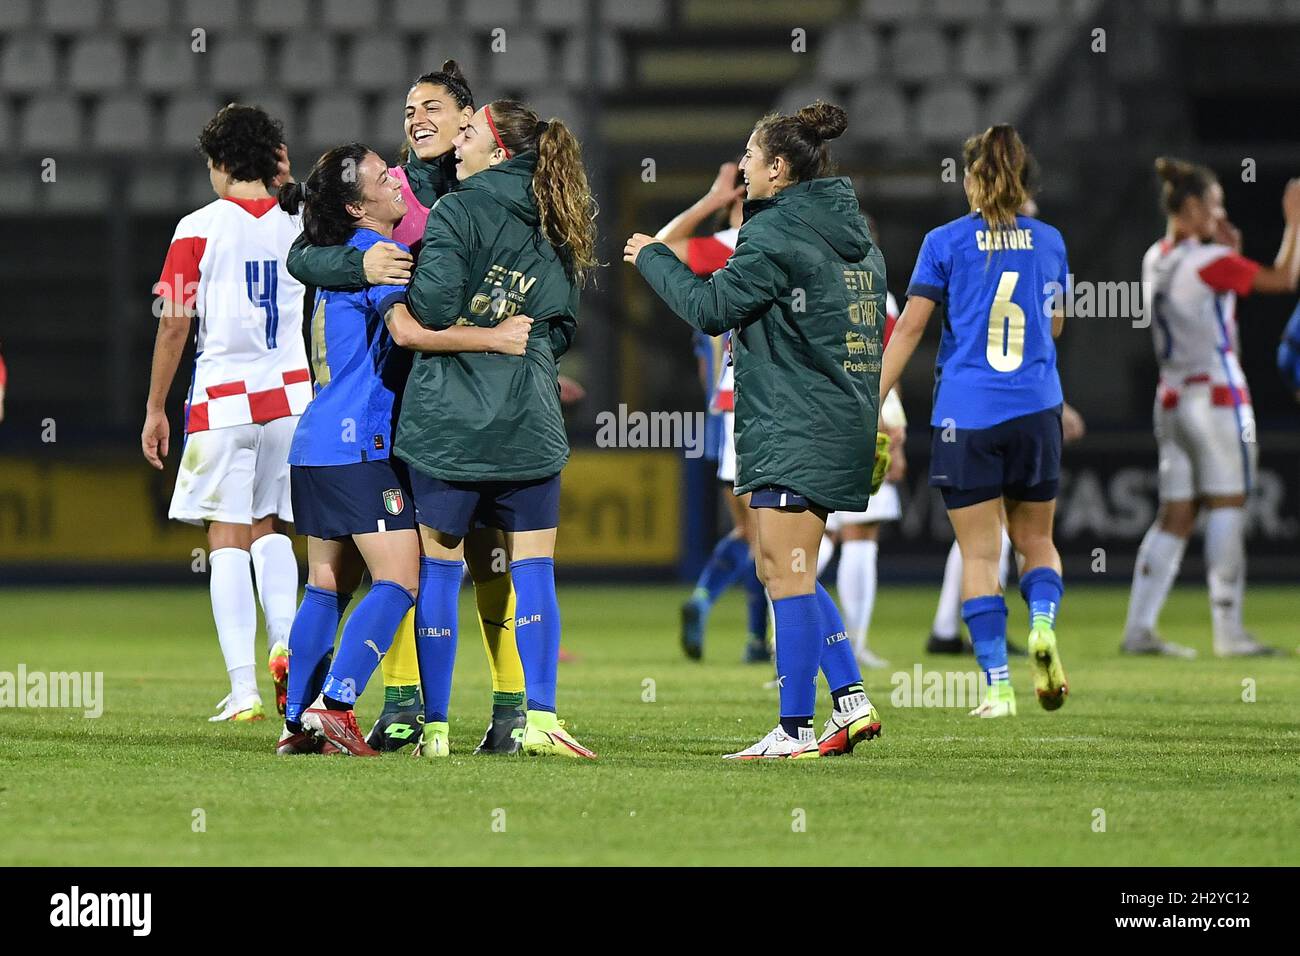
(72, 16)
(350, 16)
(168, 63)
(282, 16)
(373, 61)
(52, 121)
(137, 17)
(97, 64)
(526, 62)
(183, 117)
(849, 54)
(613, 64)
(328, 117)
(122, 122)
(27, 63)
(919, 52)
(308, 63)
(237, 62)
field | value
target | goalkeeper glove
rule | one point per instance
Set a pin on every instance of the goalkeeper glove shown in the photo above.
(881, 466)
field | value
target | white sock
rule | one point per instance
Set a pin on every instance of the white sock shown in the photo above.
(947, 616)
(856, 584)
(1225, 570)
(1004, 560)
(276, 570)
(234, 610)
(1158, 559)
(825, 551)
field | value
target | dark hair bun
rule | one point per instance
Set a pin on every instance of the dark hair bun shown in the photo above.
(826, 120)
(291, 197)
(452, 68)
(1172, 170)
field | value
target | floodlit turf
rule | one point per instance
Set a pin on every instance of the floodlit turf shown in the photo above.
(1184, 770)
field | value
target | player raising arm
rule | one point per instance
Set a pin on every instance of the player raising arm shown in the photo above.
(225, 267)
(997, 407)
(804, 297)
(1204, 422)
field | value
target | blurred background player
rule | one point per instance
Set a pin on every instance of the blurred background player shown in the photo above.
(1204, 421)
(803, 230)
(996, 439)
(858, 532)
(352, 498)
(518, 235)
(437, 107)
(226, 267)
(732, 559)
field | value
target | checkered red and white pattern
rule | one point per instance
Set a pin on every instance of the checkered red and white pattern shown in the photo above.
(226, 263)
(231, 403)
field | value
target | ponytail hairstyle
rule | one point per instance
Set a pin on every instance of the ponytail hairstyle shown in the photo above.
(326, 193)
(451, 79)
(1180, 181)
(998, 166)
(565, 207)
(803, 140)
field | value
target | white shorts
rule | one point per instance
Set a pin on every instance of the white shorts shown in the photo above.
(1202, 446)
(727, 457)
(237, 474)
(885, 505)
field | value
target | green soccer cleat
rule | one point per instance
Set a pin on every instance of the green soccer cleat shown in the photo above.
(999, 701)
(1049, 676)
(432, 742)
(395, 729)
(544, 735)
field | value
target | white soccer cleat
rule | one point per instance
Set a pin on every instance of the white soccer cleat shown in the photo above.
(240, 711)
(868, 659)
(1242, 644)
(779, 745)
(854, 721)
(1141, 640)
(999, 701)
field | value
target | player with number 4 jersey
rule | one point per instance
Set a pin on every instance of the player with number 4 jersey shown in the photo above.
(225, 268)
(997, 403)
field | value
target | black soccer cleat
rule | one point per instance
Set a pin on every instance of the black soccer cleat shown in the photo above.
(948, 645)
(395, 729)
(505, 735)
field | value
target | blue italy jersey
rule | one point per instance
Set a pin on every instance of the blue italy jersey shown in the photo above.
(997, 359)
(359, 374)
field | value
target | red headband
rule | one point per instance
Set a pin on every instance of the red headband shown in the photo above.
(495, 135)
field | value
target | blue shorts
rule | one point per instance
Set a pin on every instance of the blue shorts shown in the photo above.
(337, 501)
(453, 506)
(1019, 458)
(776, 496)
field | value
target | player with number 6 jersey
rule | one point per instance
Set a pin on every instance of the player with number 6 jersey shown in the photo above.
(226, 268)
(997, 402)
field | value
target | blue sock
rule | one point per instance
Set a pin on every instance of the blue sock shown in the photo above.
(986, 619)
(798, 650)
(437, 626)
(311, 639)
(366, 639)
(837, 660)
(730, 558)
(755, 604)
(537, 628)
(1042, 589)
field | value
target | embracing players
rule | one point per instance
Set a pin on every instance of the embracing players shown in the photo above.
(226, 267)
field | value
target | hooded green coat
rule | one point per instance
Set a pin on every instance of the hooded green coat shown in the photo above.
(805, 292)
(480, 416)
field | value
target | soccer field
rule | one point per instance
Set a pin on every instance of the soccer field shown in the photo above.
(1150, 762)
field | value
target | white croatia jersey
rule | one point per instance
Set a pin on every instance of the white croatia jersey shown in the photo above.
(1191, 292)
(227, 261)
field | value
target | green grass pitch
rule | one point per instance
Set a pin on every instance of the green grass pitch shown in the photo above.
(1165, 754)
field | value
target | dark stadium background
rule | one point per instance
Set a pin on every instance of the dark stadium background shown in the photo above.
(113, 93)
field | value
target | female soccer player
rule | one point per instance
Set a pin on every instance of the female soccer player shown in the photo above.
(1204, 423)
(438, 104)
(732, 559)
(518, 236)
(804, 298)
(997, 408)
(225, 267)
(351, 496)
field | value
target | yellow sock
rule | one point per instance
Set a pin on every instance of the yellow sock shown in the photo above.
(400, 665)
(496, 613)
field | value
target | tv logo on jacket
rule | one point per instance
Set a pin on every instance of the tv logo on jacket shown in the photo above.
(507, 290)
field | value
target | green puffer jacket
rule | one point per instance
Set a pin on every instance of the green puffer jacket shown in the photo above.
(343, 266)
(479, 416)
(805, 292)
